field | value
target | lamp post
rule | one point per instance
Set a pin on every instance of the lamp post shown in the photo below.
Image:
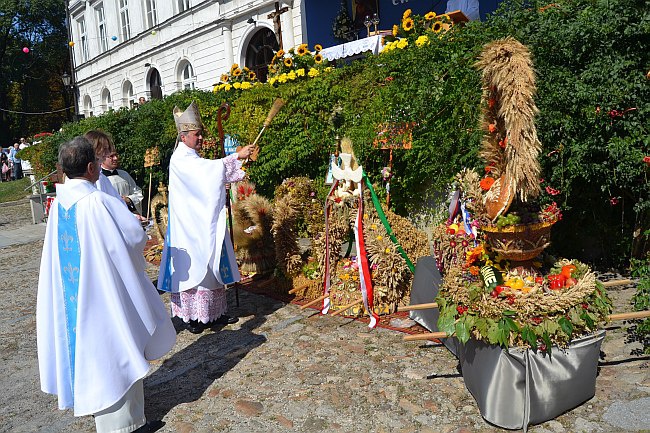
(69, 85)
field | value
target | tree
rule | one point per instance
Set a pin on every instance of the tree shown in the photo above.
(33, 56)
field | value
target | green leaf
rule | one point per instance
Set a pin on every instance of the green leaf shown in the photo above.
(529, 336)
(566, 326)
(509, 313)
(510, 325)
(446, 323)
(462, 331)
(547, 341)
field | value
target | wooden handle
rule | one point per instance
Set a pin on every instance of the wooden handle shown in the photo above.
(630, 316)
(616, 282)
(299, 288)
(427, 336)
(345, 307)
(418, 307)
(315, 301)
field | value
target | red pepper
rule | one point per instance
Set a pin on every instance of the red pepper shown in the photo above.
(556, 282)
(568, 270)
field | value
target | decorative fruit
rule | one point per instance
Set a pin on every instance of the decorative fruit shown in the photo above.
(568, 270)
(570, 282)
(539, 280)
(515, 283)
(500, 289)
(556, 282)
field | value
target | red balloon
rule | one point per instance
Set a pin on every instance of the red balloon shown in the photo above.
(25, 50)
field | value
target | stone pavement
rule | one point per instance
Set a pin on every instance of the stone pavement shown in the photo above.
(22, 235)
(282, 369)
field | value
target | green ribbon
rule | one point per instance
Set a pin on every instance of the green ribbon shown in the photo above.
(384, 221)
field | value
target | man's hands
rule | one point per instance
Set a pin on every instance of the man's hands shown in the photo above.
(246, 151)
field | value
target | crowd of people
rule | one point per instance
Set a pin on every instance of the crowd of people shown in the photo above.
(11, 167)
(100, 320)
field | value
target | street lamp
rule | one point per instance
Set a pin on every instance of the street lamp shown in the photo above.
(68, 84)
(66, 79)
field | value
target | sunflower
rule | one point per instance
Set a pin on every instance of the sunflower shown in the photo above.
(437, 27)
(318, 48)
(236, 72)
(395, 30)
(318, 58)
(279, 54)
(408, 24)
(429, 16)
(252, 76)
(407, 13)
(301, 51)
(224, 78)
(246, 69)
(233, 67)
(288, 62)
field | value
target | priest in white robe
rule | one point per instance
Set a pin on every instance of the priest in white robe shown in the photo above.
(198, 258)
(99, 318)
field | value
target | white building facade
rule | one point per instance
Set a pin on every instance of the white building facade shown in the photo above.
(127, 49)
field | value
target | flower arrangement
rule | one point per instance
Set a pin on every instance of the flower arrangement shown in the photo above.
(236, 78)
(297, 63)
(416, 30)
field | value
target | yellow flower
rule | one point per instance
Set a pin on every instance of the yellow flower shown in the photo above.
(408, 24)
(288, 62)
(403, 43)
(429, 16)
(387, 250)
(318, 47)
(422, 40)
(227, 87)
(224, 78)
(236, 72)
(380, 237)
(395, 30)
(407, 13)
(300, 72)
(252, 76)
(233, 67)
(237, 85)
(301, 51)
(313, 72)
(291, 75)
(365, 216)
(279, 54)
(246, 85)
(282, 78)
(318, 58)
(272, 80)
(374, 226)
(437, 27)
(329, 69)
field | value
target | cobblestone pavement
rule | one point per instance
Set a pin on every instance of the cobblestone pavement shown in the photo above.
(282, 369)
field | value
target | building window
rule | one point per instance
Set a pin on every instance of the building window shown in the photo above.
(183, 5)
(152, 18)
(88, 106)
(127, 95)
(101, 27)
(260, 52)
(84, 39)
(107, 103)
(124, 19)
(187, 77)
(155, 84)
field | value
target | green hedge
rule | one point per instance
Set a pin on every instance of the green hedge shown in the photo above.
(591, 59)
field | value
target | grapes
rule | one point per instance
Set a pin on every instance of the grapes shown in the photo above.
(508, 220)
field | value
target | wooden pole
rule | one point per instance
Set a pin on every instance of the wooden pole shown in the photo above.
(299, 288)
(616, 282)
(149, 199)
(418, 307)
(315, 301)
(345, 307)
(612, 317)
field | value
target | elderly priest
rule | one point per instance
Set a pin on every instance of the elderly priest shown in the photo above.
(198, 257)
(99, 318)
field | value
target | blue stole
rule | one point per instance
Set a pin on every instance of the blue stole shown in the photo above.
(225, 269)
(69, 261)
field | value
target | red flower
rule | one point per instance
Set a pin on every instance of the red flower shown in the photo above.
(389, 79)
(488, 168)
(503, 143)
(646, 159)
(486, 183)
(492, 128)
(552, 191)
(491, 102)
(613, 201)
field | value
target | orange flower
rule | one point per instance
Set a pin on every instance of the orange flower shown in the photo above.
(473, 270)
(491, 102)
(492, 128)
(486, 183)
(503, 143)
